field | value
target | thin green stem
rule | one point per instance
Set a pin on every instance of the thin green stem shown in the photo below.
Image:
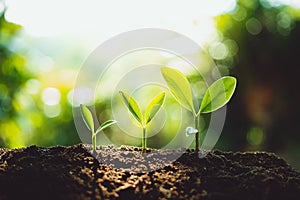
(94, 141)
(144, 142)
(196, 118)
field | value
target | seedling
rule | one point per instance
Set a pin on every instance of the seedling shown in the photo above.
(151, 110)
(215, 97)
(89, 122)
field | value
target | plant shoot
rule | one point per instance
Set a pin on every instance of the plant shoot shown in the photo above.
(215, 97)
(89, 122)
(143, 120)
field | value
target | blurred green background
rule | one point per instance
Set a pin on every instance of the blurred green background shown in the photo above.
(257, 41)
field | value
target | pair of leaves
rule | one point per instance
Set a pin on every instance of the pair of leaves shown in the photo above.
(89, 121)
(151, 110)
(216, 96)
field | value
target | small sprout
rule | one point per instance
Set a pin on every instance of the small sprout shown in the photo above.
(89, 122)
(151, 110)
(216, 96)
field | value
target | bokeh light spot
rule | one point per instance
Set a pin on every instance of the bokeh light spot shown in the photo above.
(240, 14)
(32, 86)
(218, 51)
(51, 96)
(52, 111)
(255, 136)
(253, 26)
(81, 95)
(284, 23)
(232, 47)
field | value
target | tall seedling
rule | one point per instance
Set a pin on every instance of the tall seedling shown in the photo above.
(216, 96)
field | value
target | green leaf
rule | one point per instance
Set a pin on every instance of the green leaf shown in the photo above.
(105, 125)
(218, 94)
(179, 87)
(87, 117)
(153, 107)
(132, 106)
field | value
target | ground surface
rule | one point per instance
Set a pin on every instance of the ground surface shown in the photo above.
(73, 173)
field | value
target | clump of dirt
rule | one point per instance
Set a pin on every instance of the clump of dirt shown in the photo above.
(126, 173)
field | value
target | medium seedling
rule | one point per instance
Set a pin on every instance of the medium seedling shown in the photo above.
(216, 96)
(151, 110)
(89, 122)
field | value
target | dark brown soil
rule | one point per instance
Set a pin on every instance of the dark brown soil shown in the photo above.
(73, 173)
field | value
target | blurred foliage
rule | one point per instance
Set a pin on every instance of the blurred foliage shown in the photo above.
(22, 120)
(261, 42)
(12, 77)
